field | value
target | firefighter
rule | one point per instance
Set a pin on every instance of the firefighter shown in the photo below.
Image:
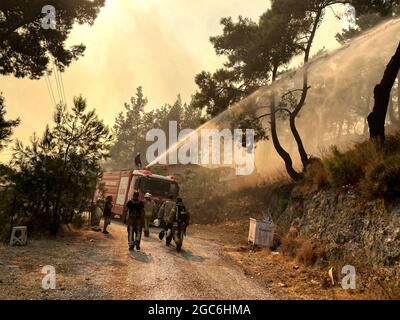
(107, 213)
(150, 208)
(166, 207)
(177, 222)
(135, 221)
(164, 212)
(138, 161)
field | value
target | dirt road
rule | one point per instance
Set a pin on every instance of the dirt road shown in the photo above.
(91, 265)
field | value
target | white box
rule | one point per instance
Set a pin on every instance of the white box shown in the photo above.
(261, 232)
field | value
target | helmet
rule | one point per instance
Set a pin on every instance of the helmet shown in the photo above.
(147, 195)
(157, 222)
(179, 200)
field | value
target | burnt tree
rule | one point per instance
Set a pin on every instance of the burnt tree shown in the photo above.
(376, 119)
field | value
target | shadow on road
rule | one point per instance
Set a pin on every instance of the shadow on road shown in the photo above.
(108, 236)
(186, 254)
(141, 256)
(150, 239)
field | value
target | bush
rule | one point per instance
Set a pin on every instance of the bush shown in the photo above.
(392, 144)
(4, 225)
(288, 246)
(309, 253)
(376, 172)
(383, 180)
(305, 251)
(343, 168)
(316, 173)
(6, 196)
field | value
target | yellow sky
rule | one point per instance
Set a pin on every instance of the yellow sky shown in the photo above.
(158, 44)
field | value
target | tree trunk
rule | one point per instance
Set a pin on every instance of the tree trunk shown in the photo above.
(376, 119)
(282, 153)
(300, 146)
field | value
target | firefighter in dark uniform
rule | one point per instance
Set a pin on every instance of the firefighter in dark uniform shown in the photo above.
(138, 161)
(135, 221)
(177, 221)
(107, 213)
(163, 213)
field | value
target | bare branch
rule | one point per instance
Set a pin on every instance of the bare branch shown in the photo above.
(293, 91)
(276, 111)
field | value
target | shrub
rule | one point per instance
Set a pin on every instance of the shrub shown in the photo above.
(383, 180)
(309, 253)
(376, 171)
(392, 144)
(343, 168)
(6, 203)
(305, 251)
(4, 225)
(288, 246)
(316, 173)
(366, 155)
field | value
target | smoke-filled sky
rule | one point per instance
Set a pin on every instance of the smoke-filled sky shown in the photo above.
(158, 44)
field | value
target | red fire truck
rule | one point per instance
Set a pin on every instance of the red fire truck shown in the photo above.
(121, 185)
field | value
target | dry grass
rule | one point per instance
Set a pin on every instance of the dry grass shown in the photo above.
(277, 176)
(367, 155)
(309, 253)
(303, 250)
(289, 246)
(389, 290)
(323, 152)
(316, 173)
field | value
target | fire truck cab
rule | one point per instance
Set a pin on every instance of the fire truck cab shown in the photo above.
(121, 185)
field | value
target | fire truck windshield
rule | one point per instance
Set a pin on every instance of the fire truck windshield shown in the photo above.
(159, 187)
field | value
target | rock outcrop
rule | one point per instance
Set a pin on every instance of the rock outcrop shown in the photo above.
(351, 229)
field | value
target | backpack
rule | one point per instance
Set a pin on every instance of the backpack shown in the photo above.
(181, 214)
(134, 209)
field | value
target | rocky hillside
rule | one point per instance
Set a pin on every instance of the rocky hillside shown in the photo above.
(350, 229)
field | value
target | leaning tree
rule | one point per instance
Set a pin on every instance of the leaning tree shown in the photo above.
(376, 119)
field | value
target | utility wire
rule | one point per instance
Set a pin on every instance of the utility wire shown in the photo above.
(62, 86)
(57, 81)
(50, 89)
(60, 82)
